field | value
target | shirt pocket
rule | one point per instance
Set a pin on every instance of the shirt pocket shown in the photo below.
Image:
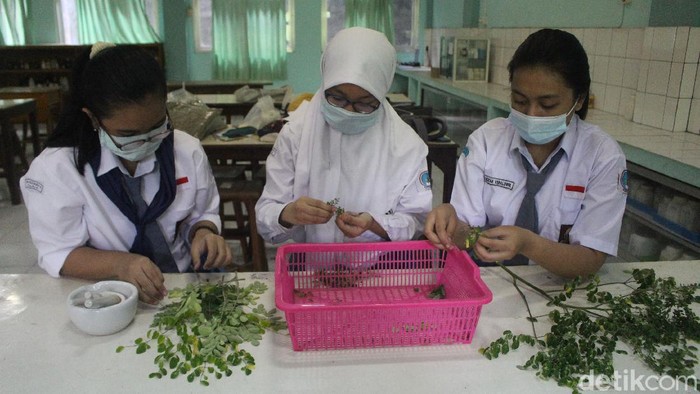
(570, 206)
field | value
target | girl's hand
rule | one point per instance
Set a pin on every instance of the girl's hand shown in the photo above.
(213, 246)
(306, 210)
(354, 224)
(440, 226)
(502, 243)
(145, 275)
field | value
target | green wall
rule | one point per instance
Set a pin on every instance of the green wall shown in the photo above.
(675, 13)
(42, 24)
(565, 13)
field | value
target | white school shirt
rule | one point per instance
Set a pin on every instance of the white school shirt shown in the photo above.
(396, 191)
(68, 210)
(583, 196)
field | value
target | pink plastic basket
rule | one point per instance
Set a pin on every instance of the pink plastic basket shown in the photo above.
(366, 295)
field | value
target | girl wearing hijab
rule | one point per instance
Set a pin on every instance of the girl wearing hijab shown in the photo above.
(349, 147)
(118, 193)
(546, 185)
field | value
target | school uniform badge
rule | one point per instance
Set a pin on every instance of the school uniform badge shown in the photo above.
(31, 184)
(622, 181)
(425, 180)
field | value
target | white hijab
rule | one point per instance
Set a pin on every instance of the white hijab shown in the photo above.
(367, 172)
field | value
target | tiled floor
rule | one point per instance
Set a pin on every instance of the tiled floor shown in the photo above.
(18, 255)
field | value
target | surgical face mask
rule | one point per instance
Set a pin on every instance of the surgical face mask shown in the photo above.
(348, 122)
(137, 147)
(539, 130)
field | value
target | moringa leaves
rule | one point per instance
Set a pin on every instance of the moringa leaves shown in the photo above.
(199, 334)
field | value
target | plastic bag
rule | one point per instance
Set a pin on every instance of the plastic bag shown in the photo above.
(262, 113)
(189, 114)
(245, 94)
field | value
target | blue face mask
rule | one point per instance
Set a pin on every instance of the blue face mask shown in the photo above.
(145, 145)
(348, 122)
(539, 130)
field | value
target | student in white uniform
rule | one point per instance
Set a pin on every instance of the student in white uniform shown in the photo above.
(117, 193)
(574, 221)
(347, 143)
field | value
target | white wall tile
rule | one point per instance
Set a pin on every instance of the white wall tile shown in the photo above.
(659, 73)
(663, 43)
(654, 110)
(692, 54)
(612, 99)
(635, 42)
(646, 44)
(631, 73)
(696, 90)
(618, 45)
(627, 101)
(694, 118)
(689, 81)
(643, 75)
(589, 41)
(669, 114)
(639, 104)
(603, 41)
(600, 69)
(674, 81)
(681, 45)
(598, 90)
(682, 114)
(616, 69)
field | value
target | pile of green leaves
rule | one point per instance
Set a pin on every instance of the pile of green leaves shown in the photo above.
(201, 331)
(653, 318)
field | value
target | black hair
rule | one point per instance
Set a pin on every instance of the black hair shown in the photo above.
(560, 52)
(114, 77)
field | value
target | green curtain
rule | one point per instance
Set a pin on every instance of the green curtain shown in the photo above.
(249, 40)
(373, 14)
(12, 15)
(120, 22)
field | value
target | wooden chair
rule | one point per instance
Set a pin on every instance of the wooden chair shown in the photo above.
(240, 225)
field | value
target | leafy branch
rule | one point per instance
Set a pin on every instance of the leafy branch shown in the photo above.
(201, 331)
(655, 319)
(335, 204)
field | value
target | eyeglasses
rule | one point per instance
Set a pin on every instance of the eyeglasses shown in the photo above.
(358, 106)
(133, 142)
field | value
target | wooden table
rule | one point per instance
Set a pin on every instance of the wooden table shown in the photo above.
(9, 144)
(228, 104)
(43, 352)
(48, 101)
(214, 86)
(442, 154)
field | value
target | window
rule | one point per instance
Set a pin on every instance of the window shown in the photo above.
(201, 19)
(66, 12)
(405, 15)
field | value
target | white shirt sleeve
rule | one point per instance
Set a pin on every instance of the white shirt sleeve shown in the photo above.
(407, 220)
(467, 196)
(206, 204)
(278, 191)
(55, 209)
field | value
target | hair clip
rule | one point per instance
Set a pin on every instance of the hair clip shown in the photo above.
(99, 47)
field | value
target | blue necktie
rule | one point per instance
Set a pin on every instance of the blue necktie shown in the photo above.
(154, 238)
(527, 215)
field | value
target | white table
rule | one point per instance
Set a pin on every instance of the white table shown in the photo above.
(42, 352)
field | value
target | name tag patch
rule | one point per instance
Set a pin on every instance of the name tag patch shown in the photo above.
(498, 182)
(31, 184)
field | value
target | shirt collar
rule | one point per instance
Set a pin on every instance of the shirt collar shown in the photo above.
(108, 161)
